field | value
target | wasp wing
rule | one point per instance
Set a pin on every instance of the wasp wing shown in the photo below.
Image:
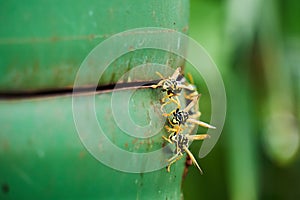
(176, 73)
(200, 123)
(191, 104)
(193, 159)
(197, 137)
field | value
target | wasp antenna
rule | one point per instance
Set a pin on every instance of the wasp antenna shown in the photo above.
(159, 84)
(159, 74)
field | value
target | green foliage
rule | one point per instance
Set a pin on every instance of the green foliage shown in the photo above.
(255, 45)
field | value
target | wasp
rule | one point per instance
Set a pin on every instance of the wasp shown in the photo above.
(172, 86)
(182, 141)
(181, 117)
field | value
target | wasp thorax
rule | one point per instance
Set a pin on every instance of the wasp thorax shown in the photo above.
(171, 86)
(180, 117)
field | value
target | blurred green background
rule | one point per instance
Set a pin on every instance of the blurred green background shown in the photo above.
(256, 46)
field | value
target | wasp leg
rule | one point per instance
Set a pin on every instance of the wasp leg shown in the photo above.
(165, 97)
(200, 123)
(176, 101)
(163, 100)
(169, 129)
(164, 104)
(175, 129)
(169, 96)
(169, 114)
(192, 158)
(170, 121)
(173, 160)
(167, 139)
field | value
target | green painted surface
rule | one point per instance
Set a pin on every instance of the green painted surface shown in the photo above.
(42, 156)
(43, 43)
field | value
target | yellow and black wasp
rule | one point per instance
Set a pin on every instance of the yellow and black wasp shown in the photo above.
(182, 142)
(172, 86)
(181, 117)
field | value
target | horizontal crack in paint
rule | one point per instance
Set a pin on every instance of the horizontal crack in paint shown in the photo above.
(88, 90)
